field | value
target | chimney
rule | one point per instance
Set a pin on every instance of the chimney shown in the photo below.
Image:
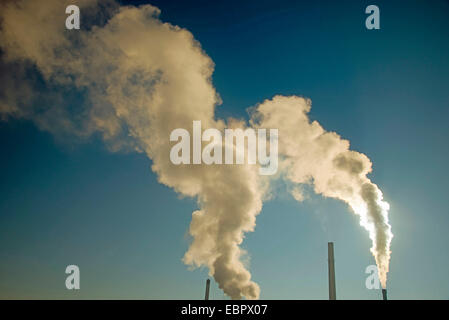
(207, 289)
(384, 294)
(332, 289)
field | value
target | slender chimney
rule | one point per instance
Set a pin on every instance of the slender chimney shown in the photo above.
(207, 289)
(332, 289)
(384, 294)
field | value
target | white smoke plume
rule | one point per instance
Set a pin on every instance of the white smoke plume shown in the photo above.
(142, 79)
(139, 79)
(309, 154)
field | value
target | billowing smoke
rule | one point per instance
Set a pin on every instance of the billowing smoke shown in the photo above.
(141, 79)
(309, 154)
(133, 79)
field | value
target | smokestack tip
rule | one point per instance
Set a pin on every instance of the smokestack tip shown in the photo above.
(206, 297)
(384, 294)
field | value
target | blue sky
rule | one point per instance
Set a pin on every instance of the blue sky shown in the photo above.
(386, 90)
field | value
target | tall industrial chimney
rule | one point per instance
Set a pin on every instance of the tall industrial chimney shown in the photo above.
(332, 289)
(207, 289)
(384, 294)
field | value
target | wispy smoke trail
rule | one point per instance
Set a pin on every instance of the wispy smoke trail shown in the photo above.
(312, 155)
(139, 79)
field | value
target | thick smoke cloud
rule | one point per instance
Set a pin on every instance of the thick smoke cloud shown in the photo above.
(141, 79)
(133, 79)
(309, 154)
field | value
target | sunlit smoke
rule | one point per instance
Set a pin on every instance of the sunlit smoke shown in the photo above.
(311, 155)
(139, 79)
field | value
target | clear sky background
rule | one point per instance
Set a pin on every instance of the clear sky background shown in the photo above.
(387, 91)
